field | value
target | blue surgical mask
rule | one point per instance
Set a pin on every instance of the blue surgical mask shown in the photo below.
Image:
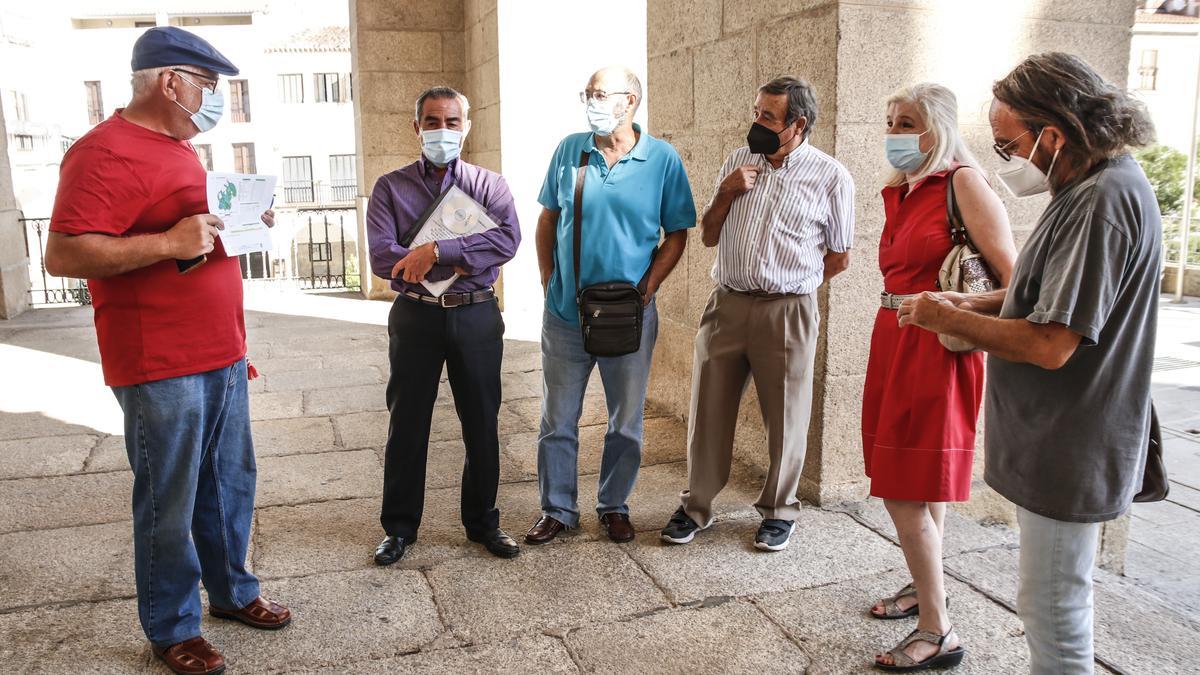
(904, 151)
(441, 146)
(212, 106)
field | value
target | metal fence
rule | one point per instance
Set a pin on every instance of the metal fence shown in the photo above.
(43, 288)
(320, 258)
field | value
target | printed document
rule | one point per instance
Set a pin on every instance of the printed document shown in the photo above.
(239, 200)
(454, 215)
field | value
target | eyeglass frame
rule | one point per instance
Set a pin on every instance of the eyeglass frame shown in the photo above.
(584, 97)
(1004, 154)
(205, 78)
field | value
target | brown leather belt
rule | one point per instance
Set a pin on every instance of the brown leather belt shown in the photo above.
(451, 300)
(762, 294)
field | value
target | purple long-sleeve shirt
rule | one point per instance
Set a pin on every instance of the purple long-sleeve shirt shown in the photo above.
(401, 196)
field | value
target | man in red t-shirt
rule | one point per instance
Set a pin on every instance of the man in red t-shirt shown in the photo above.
(131, 217)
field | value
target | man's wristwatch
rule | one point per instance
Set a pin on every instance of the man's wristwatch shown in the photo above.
(437, 255)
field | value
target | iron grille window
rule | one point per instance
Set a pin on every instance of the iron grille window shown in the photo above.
(239, 100)
(291, 88)
(332, 87)
(297, 180)
(23, 141)
(320, 252)
(1148, 70)
(342, 182)
(243, 158)
(95, 102)
(204, 152)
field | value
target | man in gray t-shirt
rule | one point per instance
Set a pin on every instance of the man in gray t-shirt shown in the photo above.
(1070, 341)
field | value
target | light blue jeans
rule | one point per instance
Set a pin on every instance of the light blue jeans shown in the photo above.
(1055, 595)
(566, 368)
(188, 440)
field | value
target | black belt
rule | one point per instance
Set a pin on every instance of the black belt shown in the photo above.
(449, 300)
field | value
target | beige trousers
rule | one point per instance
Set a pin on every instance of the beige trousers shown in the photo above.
(773, 339)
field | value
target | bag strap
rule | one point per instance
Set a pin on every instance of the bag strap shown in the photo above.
(577, 229)
(578, 226)
(958, 229)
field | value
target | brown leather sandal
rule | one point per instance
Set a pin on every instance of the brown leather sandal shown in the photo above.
(196, 656)
(261, 613)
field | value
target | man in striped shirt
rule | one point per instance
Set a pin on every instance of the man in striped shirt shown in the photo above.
(782, 220)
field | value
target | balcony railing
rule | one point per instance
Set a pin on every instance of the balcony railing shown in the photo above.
(310, 193)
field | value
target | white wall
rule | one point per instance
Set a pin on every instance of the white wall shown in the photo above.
(1171, 102)
(540, 78)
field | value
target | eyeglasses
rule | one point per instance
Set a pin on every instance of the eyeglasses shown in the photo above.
(599, 95)
(1002, 150)
(212, 88)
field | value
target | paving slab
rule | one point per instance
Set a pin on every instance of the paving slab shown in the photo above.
(322, 378)
(46, 456)
(336, 618)
(963, 533)
(65, 501)
(293, 436)
(276, 405)
(297, 479)
(826, 548)
(369, 429)
(831, 623)
(267, 367)
(729, 637)
(362, 429)
(545, 589)
(364, 339)
(344, 400)
(36, 425)
(101, 637)
(94, 562)
(536, 654)
(366, 359)
(108, 455)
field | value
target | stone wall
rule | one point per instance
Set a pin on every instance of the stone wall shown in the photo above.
(399, 48)
(706, 59)
(14, 264)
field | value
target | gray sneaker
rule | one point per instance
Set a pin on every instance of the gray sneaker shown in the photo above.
(680, 529)
(774, 534)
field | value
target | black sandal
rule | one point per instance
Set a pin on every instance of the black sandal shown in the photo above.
(943, 659)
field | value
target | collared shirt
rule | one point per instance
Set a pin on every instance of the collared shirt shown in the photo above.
(399, 199)
(776, 235)
(625, 210)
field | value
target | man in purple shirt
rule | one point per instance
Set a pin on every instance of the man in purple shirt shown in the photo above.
(462, 329)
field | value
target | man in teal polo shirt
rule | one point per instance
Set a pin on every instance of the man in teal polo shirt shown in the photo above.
(635, 191)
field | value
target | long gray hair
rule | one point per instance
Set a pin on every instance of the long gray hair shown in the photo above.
(939, 112)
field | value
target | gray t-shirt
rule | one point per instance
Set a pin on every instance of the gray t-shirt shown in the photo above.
(1070, 444)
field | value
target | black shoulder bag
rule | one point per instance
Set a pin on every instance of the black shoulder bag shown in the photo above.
(1155, 485)
(610, 313)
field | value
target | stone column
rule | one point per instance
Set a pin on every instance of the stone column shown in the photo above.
(14, 263)
(706, 59)
(399, 48)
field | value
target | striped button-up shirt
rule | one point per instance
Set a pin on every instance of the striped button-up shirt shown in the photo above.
(775, 236)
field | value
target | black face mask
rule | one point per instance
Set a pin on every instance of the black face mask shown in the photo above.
(763, 141)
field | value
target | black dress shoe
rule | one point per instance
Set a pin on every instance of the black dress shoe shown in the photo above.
(391, 549)
(497, 543)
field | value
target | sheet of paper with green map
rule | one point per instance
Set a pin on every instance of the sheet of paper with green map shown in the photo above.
(239, 200)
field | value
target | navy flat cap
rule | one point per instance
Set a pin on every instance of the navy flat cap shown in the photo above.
(164, 46)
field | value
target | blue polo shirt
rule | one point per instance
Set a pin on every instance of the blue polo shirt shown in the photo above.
(624, 210)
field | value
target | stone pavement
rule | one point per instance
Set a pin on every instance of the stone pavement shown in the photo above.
(579, 604)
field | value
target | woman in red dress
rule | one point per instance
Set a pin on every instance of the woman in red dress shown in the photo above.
(921, 401)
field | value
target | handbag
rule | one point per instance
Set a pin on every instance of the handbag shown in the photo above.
(964, 270)
(1155, 485)
(610, 313)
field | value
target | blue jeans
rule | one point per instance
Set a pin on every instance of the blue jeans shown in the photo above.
(1054, 598)
(189, 446)
(566, 368)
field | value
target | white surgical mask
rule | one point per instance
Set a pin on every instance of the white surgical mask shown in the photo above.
(441, 146)
(601, 118)
(1022, 177)
(904, 151)
(212, 106)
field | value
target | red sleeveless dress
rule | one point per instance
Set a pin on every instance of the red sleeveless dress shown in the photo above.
(920, 401)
